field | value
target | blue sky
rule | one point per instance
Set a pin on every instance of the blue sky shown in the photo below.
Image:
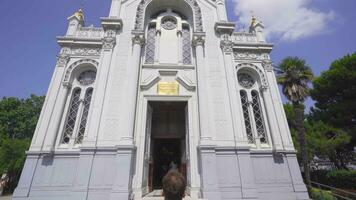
(319, 31)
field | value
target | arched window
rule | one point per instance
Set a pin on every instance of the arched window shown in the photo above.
(151, 44)
(252, 110)
(168, 39)
(78, 109)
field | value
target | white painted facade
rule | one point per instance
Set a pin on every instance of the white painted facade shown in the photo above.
(94, 136)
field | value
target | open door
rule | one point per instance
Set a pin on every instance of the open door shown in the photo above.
(147, 165)
(187, 150)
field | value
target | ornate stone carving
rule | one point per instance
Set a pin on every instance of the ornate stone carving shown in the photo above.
(268, 65)
(62, 60)
(198, 22)
(261, 74)
(242, 37)
(108, 42)
(77, 63)
(198, 39)
(138, 38)
(90, 32)
(245, 80)
(250, 56)
(169, 23)
(226, 44)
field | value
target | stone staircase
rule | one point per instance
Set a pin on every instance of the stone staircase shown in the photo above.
(157, 195)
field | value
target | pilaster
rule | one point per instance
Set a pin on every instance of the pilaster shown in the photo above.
(202, 88)
(133, 73)
(51, 113)
(277, 111)
(225, 30)
(111, 27)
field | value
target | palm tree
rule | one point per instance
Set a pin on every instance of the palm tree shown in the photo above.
(294, 75)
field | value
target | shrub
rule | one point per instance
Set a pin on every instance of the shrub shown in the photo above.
(343, 179)
(321, 194)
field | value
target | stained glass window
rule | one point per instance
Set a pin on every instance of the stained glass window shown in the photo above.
(256, 107)
(150, 46)
(246, 114)
(187, 57)
(72, 116)
(84, 118)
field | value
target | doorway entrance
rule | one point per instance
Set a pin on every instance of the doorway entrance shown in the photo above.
(165, 141)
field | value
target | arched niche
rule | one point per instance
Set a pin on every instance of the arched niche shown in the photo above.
(254, 71)
(79, 66)
(188, 8)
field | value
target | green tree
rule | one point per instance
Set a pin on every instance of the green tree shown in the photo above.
(294, 75)
(18, 119)
(334, 94)
(324, 140)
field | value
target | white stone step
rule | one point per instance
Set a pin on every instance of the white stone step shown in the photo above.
(157, 195)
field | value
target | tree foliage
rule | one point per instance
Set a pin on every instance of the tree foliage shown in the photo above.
(18, 119)
(322, 139)
(294, 75)
(334, 94)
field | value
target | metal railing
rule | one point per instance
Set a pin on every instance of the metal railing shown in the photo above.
(336, 192)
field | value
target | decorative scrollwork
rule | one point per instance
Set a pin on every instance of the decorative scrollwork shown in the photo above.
(261, 73)
(108, 42)
(77, 63)
(226, 44)
(62, 60)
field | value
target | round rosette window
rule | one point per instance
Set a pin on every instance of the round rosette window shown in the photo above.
(87, 77)
(169, 23)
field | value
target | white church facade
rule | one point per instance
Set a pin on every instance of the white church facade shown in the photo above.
(162, 82)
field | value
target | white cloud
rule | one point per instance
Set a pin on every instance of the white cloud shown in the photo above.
(284, 19)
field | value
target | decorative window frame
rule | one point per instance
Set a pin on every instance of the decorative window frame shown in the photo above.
(260, 83)
(180, 24)
(71, 78)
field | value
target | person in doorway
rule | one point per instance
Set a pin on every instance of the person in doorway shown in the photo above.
(172, 166)
(173, 186)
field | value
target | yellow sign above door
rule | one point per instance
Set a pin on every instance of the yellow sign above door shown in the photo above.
(168, 88)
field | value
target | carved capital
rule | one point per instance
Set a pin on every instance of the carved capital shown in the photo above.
(226, 44)
(62, 60)
(67, 85)
(268, 65)
(108, 42)
(198, 39)
(138, 37)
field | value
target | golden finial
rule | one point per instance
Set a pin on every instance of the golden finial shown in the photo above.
(253, 20)
(79, 15)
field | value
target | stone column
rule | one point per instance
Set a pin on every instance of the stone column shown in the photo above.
(220, 4)
(57, 114)
(203, 104)
(132, 87)
(271, 119)
(277, 108)
(111, 27)
(235, 103)
(115, 8)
